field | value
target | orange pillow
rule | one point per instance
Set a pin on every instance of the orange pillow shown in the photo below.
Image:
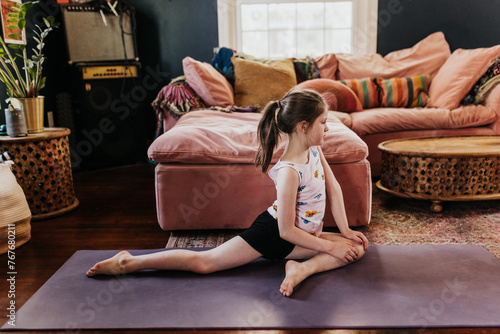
(208, 83)
(338, 96)
(459, 74)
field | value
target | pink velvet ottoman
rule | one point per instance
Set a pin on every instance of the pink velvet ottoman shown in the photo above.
(205, 177)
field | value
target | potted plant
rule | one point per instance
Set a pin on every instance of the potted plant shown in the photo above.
(24, 85)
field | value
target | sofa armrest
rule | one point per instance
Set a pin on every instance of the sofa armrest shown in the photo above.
(493, 101)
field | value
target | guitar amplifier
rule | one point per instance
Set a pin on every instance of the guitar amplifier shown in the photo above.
(97, 35)
(110, 120)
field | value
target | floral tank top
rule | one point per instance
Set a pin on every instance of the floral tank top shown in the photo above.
(311, 194)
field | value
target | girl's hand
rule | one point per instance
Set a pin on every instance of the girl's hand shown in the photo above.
(357, 237)
(343, 250)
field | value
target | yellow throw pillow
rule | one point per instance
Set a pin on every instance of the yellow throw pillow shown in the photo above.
(257, 83)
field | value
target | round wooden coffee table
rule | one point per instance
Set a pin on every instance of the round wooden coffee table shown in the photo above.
(442, 169)
(42, 167)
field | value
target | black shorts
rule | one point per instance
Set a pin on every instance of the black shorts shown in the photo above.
(264, 237)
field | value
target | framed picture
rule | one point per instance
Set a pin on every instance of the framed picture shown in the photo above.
(6, 9)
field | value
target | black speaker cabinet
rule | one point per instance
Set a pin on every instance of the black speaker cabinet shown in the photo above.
(110, 119)
(98, 35)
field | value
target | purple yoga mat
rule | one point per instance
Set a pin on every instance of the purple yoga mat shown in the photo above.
(413, 286)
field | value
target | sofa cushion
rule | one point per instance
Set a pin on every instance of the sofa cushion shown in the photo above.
(425, 57)
(395, 92)
(381, 120)
(338, 96)
(344, 117)
(459, 74)
(208, 83)
(257, 83)
(213, 137)
(327, 65)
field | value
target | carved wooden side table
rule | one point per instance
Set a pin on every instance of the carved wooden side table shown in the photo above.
(42, 167)
(442, 169)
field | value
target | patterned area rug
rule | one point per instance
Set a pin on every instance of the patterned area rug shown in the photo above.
(399, 221)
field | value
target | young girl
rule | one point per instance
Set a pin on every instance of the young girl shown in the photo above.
(291, 228)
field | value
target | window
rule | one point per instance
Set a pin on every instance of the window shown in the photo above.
(293, 28)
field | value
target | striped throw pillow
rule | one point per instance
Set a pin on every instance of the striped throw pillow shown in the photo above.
(395, 92)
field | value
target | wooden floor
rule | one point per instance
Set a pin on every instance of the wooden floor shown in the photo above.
(117, 211)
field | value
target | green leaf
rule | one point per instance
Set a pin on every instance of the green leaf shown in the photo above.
(41, 84)
(16, 9)
(27, 5)
(15, 36)
(12, 27)
(14, 46)
(14, 14)
(13, 20)
(22, 24)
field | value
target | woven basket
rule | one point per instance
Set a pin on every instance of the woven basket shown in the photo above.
(15, 214)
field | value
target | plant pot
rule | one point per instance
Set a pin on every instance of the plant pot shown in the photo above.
(33, 108)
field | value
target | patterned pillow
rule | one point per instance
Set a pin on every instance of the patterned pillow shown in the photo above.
(339, 97)
(306, 69)
(396, 92)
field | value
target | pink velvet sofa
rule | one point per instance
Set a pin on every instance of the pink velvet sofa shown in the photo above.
(205, 178)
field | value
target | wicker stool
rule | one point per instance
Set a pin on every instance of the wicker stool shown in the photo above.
(42, 167)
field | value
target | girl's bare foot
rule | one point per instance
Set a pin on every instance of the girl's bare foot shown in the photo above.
(111, 266)
(294, 274)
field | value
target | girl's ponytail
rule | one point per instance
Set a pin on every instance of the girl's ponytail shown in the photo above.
(282, 116)
(268, 134)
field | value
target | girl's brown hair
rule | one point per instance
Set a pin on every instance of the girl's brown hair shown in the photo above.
(282, 116)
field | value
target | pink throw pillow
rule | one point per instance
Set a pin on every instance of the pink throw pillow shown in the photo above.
(208, 83)
(327, 65)
(338, 96)
(425, 57)
(459, 74)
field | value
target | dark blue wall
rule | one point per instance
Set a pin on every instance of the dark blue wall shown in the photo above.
(168, 31)
(466, 24)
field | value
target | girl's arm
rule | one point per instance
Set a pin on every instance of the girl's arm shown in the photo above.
(336, 200)
(288, 183)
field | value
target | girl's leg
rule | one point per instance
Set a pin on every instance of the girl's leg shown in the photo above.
(231, 254)
(296, 272)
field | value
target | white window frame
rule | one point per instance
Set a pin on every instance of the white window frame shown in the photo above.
(364, 24)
